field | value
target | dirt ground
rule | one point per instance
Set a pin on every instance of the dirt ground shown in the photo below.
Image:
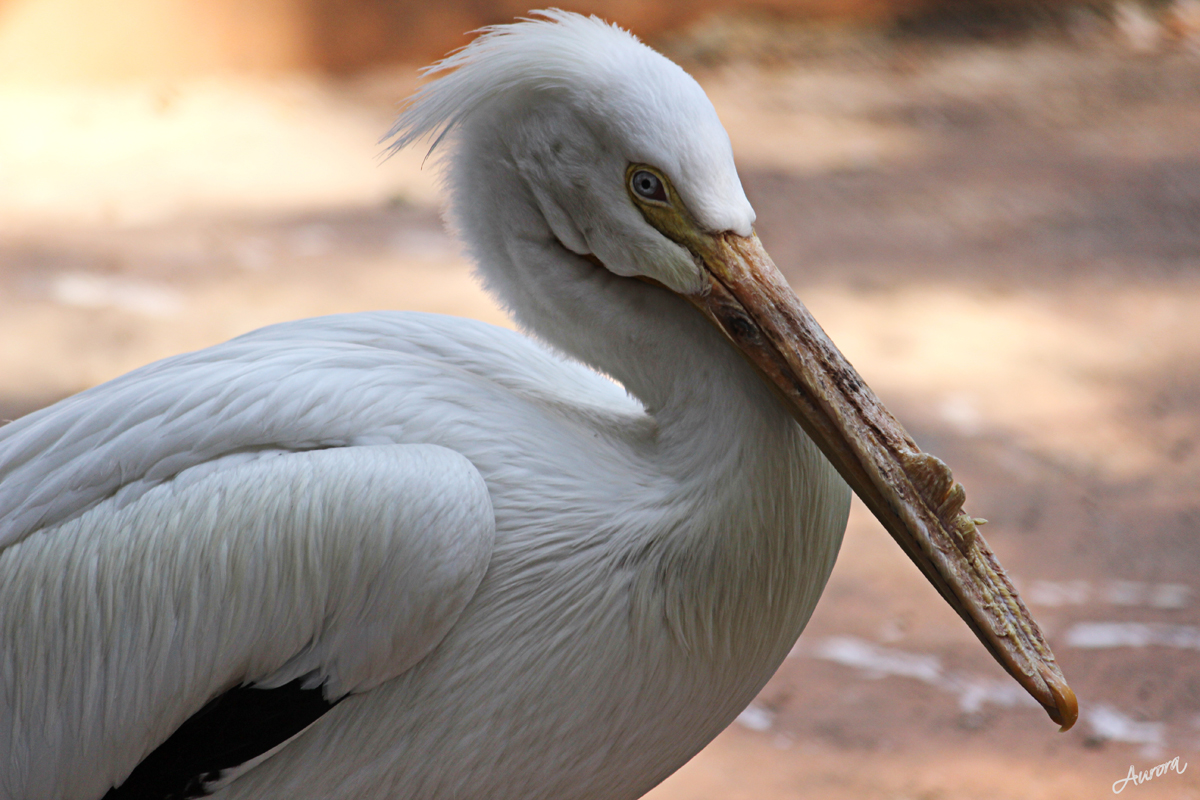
(1003, 238)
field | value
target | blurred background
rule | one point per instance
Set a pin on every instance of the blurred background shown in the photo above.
(992, 207)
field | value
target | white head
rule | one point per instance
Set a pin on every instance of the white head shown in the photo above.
(553, 111)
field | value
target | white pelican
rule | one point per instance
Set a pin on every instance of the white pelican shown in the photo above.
(393, 555)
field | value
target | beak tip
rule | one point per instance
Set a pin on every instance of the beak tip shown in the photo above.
(1066, 707)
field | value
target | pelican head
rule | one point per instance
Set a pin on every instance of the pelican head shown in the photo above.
(583, 159)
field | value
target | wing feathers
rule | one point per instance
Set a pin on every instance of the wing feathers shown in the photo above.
(350, 564)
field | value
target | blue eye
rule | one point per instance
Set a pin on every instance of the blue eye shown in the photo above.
(647, 185)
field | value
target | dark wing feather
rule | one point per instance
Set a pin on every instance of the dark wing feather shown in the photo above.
(231, 729)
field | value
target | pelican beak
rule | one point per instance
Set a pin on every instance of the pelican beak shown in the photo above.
(912, 493)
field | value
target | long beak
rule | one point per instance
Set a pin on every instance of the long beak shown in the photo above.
(912, 493)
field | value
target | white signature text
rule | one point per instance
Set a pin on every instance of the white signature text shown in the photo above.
(1138, 778)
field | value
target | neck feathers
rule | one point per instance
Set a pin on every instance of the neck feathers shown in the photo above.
(735, 557)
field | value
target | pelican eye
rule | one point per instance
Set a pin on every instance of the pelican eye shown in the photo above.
(647, 185)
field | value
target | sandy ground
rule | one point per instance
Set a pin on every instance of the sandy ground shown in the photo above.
(1005, 240)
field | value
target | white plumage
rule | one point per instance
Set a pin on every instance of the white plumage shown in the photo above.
(530, 580)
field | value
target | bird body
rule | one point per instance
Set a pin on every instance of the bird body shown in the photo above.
(395, 555)
(594, 542)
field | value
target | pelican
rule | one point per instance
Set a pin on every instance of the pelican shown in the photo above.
(398, 555)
